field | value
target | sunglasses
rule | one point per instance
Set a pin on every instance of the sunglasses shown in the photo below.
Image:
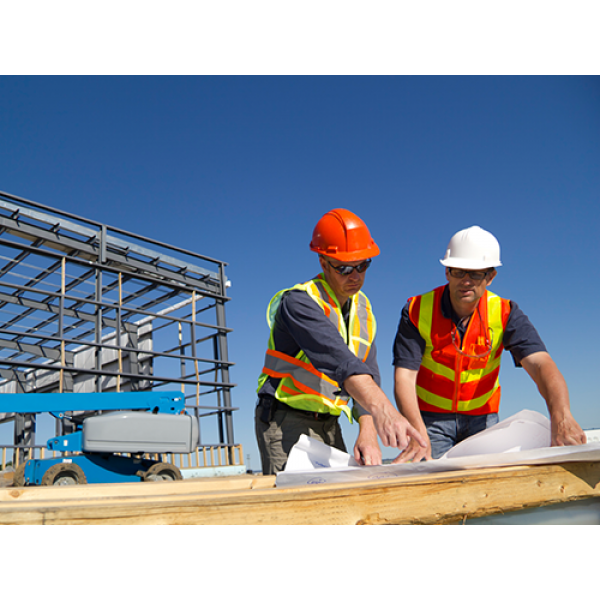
(488, 344)
(474, 275)
(347, 269)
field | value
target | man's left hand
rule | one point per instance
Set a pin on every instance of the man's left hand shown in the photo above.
(566, 431)
(366, 449)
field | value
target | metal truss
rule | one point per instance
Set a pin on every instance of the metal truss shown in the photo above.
(86, 307)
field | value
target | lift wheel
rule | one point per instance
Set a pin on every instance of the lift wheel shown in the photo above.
(162, 472)
(64, 474)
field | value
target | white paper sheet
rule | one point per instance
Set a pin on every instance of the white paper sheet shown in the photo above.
(511, 442)
(526, 430)
(309, 454)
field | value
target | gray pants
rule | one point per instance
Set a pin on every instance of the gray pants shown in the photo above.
(276, 439)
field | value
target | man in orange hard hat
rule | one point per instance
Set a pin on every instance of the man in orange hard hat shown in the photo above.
(321, 354)
(448, 348)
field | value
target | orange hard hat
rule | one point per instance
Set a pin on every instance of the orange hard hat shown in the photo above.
(340, 234)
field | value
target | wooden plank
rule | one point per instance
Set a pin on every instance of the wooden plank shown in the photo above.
(438, 498)
(109, 491)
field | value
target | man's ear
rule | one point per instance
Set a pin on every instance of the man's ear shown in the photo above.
(491, 276)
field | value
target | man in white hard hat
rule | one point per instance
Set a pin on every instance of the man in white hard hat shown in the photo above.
(448, 348)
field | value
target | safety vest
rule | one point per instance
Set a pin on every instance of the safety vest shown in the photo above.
(454, 377)
(302, 386)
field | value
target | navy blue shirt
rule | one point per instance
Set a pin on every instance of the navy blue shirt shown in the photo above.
(301, 324)
(520, 337)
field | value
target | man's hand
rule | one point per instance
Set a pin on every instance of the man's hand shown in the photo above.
(393, 429)
(566, 431)
(415, 452)
(366, 449)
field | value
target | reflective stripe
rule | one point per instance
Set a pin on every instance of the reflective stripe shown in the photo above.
(302, 373)
(302, 386)
(426, 315)
(446, 404)
(449, 381)
(362, 328)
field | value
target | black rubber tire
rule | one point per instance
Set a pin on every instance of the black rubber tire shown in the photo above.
(64, 474)
(162, 472)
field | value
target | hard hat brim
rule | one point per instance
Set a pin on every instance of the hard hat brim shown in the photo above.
(469, 264)
(349, 256)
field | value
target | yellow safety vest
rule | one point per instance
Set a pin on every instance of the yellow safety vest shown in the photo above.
(302, 386)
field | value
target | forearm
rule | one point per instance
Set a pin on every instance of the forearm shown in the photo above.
(550, 383)
(553, 388)
(405, 394)
(366, 392)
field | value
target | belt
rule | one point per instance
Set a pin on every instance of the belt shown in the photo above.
(317, 416)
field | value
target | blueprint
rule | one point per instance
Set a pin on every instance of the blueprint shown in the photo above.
(522, 439)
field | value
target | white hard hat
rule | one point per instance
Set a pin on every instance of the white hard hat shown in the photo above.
(472, 248)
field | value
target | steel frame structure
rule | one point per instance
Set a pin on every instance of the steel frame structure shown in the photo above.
(88, 307)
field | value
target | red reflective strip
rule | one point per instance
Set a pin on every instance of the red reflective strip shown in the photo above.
(414, 310)
(441, 332)
(297, 383)
(329, 299)
(366, 353)
(434, 383)
(303, 365)
(289, 391)
(475, 389)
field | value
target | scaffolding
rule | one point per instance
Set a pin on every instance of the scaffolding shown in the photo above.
(85, 307)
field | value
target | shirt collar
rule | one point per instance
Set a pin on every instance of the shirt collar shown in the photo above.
(447, 310)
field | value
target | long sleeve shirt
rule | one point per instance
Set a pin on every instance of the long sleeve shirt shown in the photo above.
(300, 324)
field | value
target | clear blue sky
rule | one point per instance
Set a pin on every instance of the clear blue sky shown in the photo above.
(241, 169)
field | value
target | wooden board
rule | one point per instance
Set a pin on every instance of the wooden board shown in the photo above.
(246, 500)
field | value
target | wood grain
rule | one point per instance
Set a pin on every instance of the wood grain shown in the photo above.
(253, 500)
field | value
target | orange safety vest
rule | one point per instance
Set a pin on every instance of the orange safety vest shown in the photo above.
(302, 386)
(454, 377)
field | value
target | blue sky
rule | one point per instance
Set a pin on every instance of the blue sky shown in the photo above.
(241, 168)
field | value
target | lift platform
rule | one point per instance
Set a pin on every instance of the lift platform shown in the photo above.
(108, 447)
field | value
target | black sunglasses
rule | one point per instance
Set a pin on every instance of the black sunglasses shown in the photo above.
(347, 269)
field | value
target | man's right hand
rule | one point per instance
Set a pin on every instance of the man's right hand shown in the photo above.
(395, 431)
(414, 452)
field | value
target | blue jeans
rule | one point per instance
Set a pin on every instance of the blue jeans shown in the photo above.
(447, 429)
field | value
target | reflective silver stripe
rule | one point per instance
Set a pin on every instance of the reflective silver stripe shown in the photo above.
(362, 315)
(359, 306)
(319, 386)
(333, 315)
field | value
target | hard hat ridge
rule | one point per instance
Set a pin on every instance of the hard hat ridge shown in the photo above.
(340, 234)
(472, 248)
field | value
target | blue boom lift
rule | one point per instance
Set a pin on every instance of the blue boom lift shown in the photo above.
(137, 423)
